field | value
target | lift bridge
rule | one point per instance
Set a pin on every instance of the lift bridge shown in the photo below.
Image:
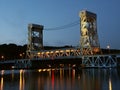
(88, 52)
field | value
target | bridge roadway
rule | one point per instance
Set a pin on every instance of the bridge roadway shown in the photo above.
(86, 60)
(74, 56)
(71, 61)
(60, 58)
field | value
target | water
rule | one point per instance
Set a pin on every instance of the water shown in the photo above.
(60, 79)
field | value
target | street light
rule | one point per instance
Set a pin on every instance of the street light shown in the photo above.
(21, 55)
(108, 46)
(2, 57)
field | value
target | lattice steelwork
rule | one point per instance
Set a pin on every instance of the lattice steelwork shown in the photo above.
(35, 39)
(89, 42)
(74, 53)
(59, 53)
(99, 61)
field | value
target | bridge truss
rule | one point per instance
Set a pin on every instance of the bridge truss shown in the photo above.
(75, 53)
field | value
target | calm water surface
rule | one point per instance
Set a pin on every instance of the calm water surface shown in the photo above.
(60, 79)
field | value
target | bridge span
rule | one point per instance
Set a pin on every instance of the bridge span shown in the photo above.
(67, 57)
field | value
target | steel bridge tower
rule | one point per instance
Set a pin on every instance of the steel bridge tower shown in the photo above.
(35, 39)
(89, 43)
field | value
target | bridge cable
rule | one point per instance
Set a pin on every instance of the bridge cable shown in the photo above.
(64, 26)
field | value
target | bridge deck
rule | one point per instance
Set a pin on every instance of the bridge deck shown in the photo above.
(46, 62)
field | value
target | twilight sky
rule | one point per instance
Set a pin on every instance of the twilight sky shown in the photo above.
(15, 15)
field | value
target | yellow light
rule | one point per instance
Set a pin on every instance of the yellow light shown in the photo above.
(21, 55)
(21, 80)
(42, 52)
(38, 53)
(67, 50)
(21, 71)
(1, 88)
(51, 52)
(48, 69)
(47, 52)
(110, 84)
(44, 69)
(96, 49)
(61, 51)
(56, 51)
(39, 70)
(72, 50)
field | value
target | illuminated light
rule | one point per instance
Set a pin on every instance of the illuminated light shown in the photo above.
(56, 51)
(21, 71)
(108, 46)
(61, 51)
(2, 72)
(21, 80)
(38, 53)
(44, 69)
(60, 65)
(73, 65)
(1, 86)
(2, 57)
(79, 77)
(48, 69)
(72, 50)
(96, 49)
(51, 52)
(39, 70)
(110, 84)
(42, 53)
(47, 52)
(73, 74)
(49, 65)
(13, 67)
(67, 50)
(12, 74)
(53, 80)
(20, 55)
(53, 69)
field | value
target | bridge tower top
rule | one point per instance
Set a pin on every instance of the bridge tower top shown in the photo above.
(89, 42)
(35, 38)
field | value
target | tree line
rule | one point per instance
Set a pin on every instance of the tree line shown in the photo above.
(12, 51)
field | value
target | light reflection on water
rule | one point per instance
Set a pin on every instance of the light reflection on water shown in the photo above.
(60, 79)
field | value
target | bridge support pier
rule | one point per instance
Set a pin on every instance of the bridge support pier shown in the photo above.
(99, 61)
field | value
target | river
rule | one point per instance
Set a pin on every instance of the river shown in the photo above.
(60, 79)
